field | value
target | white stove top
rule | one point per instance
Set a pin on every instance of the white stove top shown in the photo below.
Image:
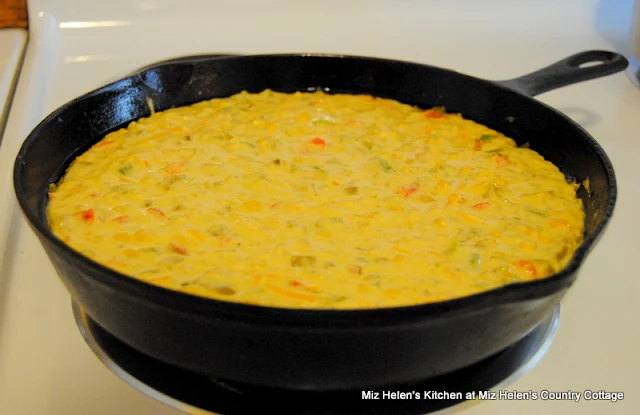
(12, 45)
(75, 46)
(12, 42)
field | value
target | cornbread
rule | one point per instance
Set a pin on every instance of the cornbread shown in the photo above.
(316, 200)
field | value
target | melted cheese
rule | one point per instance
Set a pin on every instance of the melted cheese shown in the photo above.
(310, 200)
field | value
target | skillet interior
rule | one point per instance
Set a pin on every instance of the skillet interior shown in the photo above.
(455, 333)
(177, 84)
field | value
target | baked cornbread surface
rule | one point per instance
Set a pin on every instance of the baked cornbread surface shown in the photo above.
(316, 200)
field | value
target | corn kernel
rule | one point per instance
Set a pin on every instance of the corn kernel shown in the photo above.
(470, 219)
(130, 253)
(440, 223)
(122, 237)
(364, 288)
(252, 206)
(454, 198)
(392, 292)
(143, 235)
(559, 223)
(398, 259)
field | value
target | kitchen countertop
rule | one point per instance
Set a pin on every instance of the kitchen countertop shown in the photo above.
(47, 369)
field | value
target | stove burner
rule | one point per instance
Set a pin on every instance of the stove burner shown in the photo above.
(198, 394)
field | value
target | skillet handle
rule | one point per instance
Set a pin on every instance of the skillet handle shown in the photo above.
(568, 71)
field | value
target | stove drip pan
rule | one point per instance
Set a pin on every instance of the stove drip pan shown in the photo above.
(197, 394)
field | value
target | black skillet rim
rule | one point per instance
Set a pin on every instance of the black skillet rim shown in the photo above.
(206, 307)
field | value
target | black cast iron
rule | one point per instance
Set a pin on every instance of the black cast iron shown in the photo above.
(318, 349)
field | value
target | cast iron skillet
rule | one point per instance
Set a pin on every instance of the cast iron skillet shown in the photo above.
(319, 349)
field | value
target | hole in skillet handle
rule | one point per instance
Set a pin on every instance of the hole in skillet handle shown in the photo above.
(576, 68)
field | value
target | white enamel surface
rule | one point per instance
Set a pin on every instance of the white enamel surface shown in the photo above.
(12, 43)
(76, 46)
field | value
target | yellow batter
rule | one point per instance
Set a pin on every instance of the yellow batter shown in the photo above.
(310, 200)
